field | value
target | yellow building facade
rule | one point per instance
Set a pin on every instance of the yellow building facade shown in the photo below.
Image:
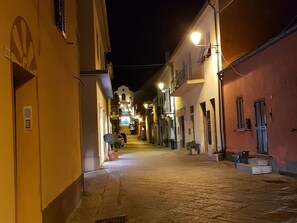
(40, 166)
(95, 75)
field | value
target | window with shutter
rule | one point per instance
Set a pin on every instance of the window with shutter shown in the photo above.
(239, 109)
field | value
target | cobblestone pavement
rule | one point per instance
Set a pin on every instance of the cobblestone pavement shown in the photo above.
(152, 184)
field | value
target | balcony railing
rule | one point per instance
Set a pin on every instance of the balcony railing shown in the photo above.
(185, 80)
(178, 80)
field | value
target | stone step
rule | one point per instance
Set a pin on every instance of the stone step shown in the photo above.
(258, 161)
(254, 169)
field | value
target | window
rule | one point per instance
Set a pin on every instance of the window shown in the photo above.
(192, 109)
(60, 16)
(239, 109)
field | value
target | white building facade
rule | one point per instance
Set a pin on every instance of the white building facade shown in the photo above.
(195, 85)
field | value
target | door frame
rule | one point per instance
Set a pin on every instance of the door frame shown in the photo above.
(261, 130)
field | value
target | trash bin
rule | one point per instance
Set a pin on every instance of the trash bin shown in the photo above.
(244, 157)
(172, 143)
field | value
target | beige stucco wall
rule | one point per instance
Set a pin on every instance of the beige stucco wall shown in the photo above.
(92, 48)
(7, 193)
(7, 164)
(86, 32)
(59, 105)
(90, 141)
(102, 123)
(94, 125)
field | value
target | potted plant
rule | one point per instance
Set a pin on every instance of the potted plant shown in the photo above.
(113, 141)
(193, 147)
(118, 143)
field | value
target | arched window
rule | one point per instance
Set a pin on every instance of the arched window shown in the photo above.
(123, 97)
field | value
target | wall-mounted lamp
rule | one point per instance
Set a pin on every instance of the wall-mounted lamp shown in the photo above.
(161, 87)
(196, 38)
(148, 105)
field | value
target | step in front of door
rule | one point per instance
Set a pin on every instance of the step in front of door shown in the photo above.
(254, 169)
(258, 161)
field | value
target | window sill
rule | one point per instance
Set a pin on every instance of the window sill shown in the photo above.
(242, 130)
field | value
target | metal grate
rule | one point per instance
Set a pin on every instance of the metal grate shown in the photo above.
(119, 219)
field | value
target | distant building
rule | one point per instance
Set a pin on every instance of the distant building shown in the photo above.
(125, 98)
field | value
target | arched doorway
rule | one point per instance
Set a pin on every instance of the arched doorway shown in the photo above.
(27, 153)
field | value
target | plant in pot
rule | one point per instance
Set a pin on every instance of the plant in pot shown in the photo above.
(112, 150)
(193, 147)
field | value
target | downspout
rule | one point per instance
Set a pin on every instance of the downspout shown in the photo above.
(219, 67)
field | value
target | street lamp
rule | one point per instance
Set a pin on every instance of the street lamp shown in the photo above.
(161, 87)
(196, 38)
(145, 105)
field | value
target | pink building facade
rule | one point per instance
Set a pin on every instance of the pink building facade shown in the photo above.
(260, 103)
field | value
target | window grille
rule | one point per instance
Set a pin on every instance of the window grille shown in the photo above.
(239, 109)
(60, 16)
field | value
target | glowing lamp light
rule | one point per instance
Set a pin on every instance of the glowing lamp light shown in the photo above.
(196, 37)
(161, 86)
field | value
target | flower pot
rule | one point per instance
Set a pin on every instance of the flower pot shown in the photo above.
(217, 156)
(193, 151)
(113, 156)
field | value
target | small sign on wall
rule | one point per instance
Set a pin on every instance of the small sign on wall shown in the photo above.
(27, 112)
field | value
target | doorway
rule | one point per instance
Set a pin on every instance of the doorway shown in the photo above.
(214, 125)
(261, 126)
(205, 126)
(193, 126)
(182, 131)
(27, 154)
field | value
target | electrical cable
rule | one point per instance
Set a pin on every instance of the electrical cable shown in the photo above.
(240, 74)
(226, 6)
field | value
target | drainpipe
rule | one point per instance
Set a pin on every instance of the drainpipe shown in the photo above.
(219, 67)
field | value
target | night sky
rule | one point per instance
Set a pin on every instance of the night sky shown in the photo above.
(141, 31)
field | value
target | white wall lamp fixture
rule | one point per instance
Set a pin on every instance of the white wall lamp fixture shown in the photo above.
(196, 38)
(148, 105)
(161, 87)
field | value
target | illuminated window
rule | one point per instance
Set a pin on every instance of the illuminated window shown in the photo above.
(60, 16)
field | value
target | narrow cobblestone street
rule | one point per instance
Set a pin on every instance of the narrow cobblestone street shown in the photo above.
(153, 184)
